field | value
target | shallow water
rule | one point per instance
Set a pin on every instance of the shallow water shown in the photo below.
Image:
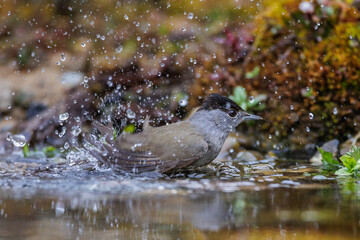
(269, 199)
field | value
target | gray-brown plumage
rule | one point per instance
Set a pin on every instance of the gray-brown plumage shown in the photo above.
(191, 143)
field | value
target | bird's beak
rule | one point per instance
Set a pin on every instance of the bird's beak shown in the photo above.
(251, 117)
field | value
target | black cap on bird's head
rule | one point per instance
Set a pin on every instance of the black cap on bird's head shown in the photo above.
(217, 101)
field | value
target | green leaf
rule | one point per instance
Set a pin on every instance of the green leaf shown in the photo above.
(348, 161)
(49, 151)
(255, 72)
(115, 133)
(240, 97)
(26, 150)
(328, 157)
(328, 161)
(240, 94)
(243, 106)
(355, 153)
(232, 97)
(356, 168)
(343, 172)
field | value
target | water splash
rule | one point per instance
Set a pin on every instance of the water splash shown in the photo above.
(17, 140)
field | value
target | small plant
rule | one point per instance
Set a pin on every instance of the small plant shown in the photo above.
(351, 161)
(349, 166)
(48, 152)
(253, 103)
(329, 163)
(253, 73)
(26, 151)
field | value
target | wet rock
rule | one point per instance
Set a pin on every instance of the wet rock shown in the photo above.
(260, 169)
(319, 178)
(72, 79)
(249, 156)
(331, 146)
(290, 182)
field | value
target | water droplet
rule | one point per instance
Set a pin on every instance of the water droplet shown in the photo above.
(307, 129)
(62, 133)
(335, 111)
(306, 7)
(183, 102)
(130, 114)
(126, 17)
(77, 119)
(17, 140)
(63, 57)
(311, 116)
(75, 131)
(119, 49)
(83, 44)
(251, 99)
(63, 116)
(183, 29)
(66, 146)
(190, 16)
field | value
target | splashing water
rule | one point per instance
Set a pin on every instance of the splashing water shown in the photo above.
(63, 116)
(17, 140)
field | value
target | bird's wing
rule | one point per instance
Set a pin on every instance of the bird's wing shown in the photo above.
(154, 149)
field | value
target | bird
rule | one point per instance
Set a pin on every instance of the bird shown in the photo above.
(191, 143)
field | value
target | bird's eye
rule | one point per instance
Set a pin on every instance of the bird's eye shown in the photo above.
(232, 113)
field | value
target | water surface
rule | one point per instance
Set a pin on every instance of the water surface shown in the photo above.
(269, 199)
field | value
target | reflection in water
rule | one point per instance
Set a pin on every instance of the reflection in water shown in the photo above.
(269, 199)
(168, 214)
